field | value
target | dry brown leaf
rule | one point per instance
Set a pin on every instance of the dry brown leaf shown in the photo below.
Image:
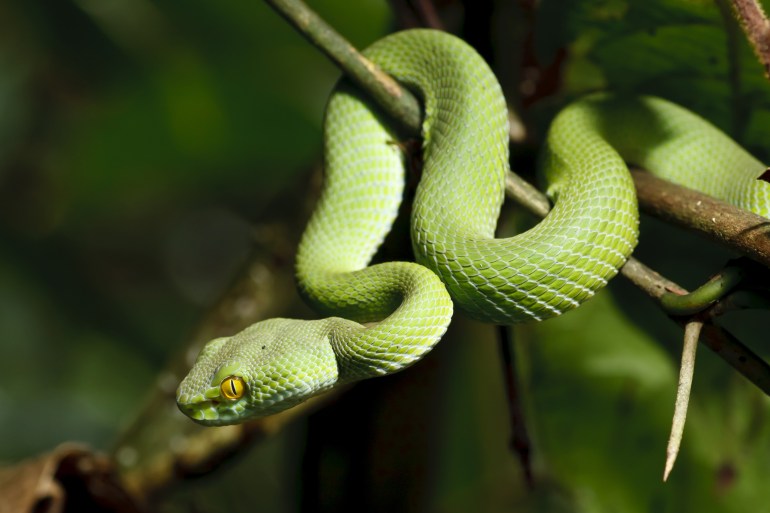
(70, 478)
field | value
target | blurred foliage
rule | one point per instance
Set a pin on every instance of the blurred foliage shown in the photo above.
(141, 141)
(137, 141)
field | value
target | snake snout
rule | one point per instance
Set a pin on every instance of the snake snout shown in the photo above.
(207, 411)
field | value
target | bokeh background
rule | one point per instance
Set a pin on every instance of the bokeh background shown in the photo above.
(144, 143)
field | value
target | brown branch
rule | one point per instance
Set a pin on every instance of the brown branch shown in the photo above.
(737, 355)
(757, 28)
(649, 281)
(737, 229)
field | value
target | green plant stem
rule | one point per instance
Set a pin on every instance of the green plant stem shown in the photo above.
(705, 295)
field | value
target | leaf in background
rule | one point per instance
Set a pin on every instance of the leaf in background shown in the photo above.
(690, 52)
(602, 394)
(141, 111)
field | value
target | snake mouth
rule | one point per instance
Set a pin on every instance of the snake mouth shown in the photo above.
(210, 412)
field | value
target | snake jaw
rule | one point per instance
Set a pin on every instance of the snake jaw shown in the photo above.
(210, 409)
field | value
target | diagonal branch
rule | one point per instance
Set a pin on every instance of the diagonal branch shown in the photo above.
(740, 230)
(757, 28)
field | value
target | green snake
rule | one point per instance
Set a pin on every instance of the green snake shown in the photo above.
(386, 317)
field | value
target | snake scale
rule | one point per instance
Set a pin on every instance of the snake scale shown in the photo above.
(387, 316)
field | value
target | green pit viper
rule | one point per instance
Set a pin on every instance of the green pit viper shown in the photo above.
(386, 317)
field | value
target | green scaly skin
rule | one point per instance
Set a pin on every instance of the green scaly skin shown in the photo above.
(541, 273)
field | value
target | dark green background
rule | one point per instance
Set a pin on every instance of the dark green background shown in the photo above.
(140, 143)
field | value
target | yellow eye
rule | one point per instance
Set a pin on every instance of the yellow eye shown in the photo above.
(232, 387)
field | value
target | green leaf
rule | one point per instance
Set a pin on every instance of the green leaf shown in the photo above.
(690, 52)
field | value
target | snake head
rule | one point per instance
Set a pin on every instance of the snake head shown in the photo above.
(266, 368)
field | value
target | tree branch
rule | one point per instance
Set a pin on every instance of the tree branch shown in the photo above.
(757, 28)
(719, 340)
(740, 230)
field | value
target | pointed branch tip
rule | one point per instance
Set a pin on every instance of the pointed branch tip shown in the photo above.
(686, 372)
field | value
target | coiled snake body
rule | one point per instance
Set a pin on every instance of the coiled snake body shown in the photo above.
(538, 274)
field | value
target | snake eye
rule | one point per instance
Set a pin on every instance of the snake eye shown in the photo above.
(232, 387)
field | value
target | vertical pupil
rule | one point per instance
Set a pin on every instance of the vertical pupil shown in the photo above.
(232, 387)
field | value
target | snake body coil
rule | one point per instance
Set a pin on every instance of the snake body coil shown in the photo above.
(538, 274)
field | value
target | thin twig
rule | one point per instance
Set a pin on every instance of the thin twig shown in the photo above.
(716, 288)
(686, 372)
(526, 195)
(649, 281)
(757, 28)
(738, 356)
(428, 14)
(520, 441)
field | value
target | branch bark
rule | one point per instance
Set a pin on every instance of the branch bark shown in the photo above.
(757, 28)
(744, 232)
